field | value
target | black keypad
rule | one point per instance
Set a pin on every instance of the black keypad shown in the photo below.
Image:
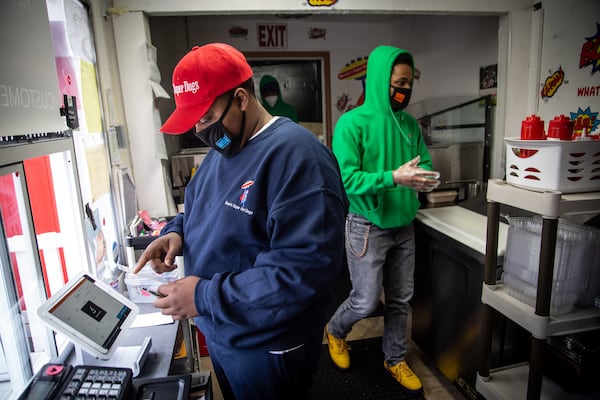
(97, 383)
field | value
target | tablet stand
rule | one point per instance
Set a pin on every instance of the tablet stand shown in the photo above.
(132, 357)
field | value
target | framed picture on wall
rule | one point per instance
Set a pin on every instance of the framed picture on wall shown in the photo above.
(488, 79)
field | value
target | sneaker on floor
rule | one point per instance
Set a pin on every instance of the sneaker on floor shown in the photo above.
(338, 351)
(402, 373)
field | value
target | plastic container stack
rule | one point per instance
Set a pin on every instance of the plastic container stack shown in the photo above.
(576, 279)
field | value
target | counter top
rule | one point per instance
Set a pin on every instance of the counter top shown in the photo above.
(462, 225)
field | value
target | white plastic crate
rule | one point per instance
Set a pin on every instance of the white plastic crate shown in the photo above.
(542, 165)
(575, 280)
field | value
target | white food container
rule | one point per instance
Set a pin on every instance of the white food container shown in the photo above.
(147, 279)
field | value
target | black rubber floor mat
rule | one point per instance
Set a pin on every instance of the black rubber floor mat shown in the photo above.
(366, 379)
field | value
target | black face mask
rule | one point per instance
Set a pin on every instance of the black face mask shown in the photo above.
(218, 138)
(399, 98)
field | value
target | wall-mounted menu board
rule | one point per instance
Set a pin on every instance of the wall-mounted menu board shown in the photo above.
(30, 101)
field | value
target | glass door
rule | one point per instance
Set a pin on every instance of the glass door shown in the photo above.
(41, 247)
(23, 342)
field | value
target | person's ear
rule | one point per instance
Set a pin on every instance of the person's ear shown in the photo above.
(241, 98)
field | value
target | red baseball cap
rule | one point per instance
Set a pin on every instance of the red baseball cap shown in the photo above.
(202, 75)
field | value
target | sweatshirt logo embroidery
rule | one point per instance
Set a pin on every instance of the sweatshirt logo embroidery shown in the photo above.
(246, 188)
(243, 199)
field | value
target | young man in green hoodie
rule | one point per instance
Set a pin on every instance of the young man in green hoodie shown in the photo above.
(384, 163)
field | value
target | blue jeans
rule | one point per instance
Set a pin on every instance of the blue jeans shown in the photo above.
(378, 259)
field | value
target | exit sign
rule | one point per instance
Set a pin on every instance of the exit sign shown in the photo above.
(272, 36)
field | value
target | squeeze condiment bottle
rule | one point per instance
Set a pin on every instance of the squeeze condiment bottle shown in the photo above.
(560, 128)
(532, 128)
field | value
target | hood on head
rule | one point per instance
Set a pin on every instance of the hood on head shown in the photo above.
(379, 68)
(268, 82)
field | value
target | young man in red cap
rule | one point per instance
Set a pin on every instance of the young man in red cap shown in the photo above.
(262, 234)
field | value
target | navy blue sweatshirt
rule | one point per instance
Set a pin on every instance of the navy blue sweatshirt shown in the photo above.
(264, 230)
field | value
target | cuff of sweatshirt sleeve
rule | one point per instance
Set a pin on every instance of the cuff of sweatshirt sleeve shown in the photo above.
(200, 296)
(170, 230)
(388, 179)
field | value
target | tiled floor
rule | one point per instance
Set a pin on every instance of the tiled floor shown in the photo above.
(435, 385)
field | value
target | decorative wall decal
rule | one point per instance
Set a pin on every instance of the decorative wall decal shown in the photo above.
(584, 119)
(237, 31)
(317, 33)
(588, 91)
(321, 3)
(552, 83)
(342, 102)
(590, 52)
(355, 70)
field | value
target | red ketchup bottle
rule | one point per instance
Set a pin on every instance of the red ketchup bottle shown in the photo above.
(560, 128)
(532, 128)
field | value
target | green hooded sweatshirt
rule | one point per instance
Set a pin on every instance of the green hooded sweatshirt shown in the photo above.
(370, 141)
(280, 108)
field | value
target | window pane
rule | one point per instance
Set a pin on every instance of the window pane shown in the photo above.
(20, 294)
(42, 247)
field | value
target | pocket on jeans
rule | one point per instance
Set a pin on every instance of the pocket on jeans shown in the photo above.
(357, 235)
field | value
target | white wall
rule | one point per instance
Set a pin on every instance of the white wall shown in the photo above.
(190, 7)
(448, 51)
(449, 47)
(152, 182)
(562, 49)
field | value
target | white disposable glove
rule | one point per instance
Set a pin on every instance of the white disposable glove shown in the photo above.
(415, 177)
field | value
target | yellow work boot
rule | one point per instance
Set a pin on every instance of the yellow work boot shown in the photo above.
(338, 351)
(402, 373)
